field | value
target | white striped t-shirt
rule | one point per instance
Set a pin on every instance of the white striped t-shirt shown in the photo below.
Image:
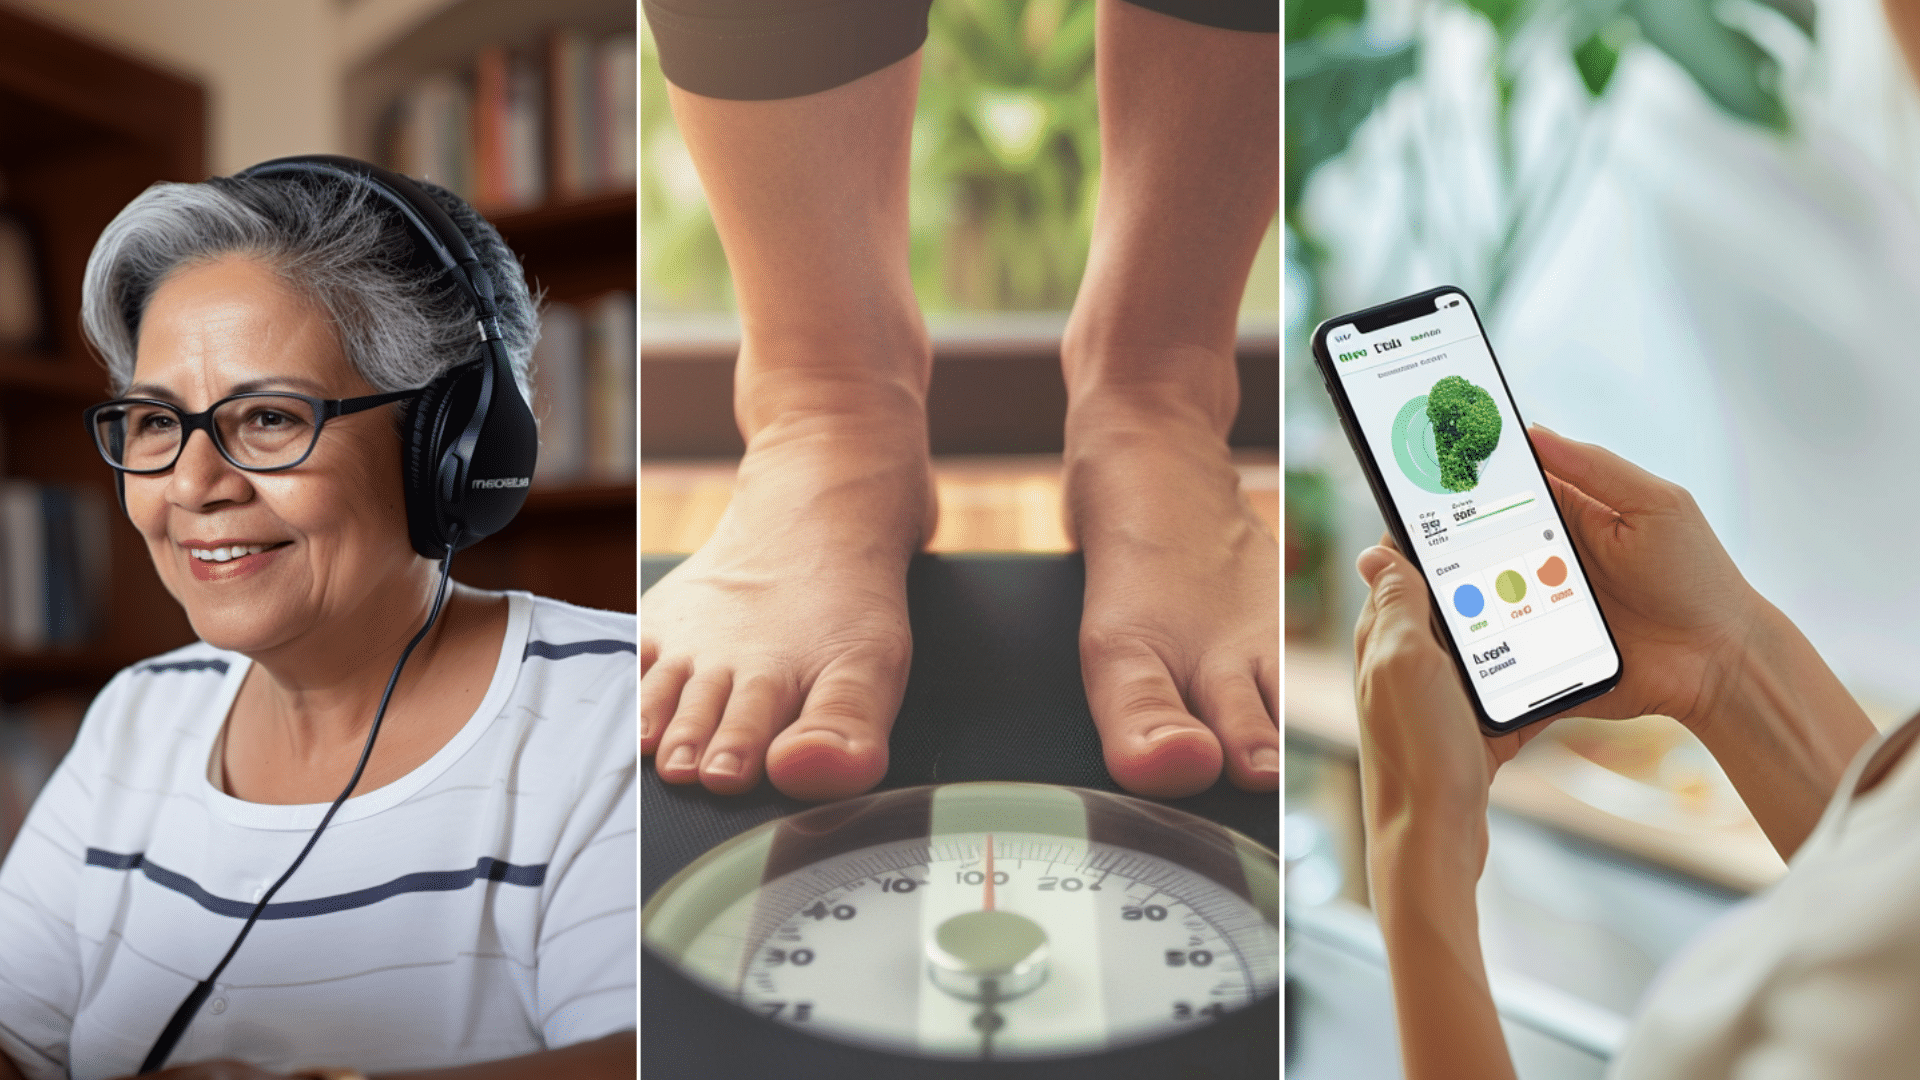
(480, 907)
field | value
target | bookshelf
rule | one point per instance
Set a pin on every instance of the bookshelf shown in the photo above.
(82, 131)
(574, 541)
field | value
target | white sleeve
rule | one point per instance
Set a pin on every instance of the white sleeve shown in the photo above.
(39, 952)
(587, 958)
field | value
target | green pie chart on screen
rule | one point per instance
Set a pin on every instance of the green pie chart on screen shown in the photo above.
(1413, 446)
(1511, 586)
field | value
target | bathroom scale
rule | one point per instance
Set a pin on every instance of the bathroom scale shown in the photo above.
(997, 907)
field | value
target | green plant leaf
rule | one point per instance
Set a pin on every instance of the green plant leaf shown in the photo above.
(1311, 18)
(1733, 70)
(1333, 85)
(1595, 59)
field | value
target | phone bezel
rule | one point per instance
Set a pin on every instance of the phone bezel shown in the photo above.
(1391, 313)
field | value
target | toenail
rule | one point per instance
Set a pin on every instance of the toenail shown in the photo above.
(1264, 759)
(646, 730)
(726, 763)
(681, 758)
(1165, 731)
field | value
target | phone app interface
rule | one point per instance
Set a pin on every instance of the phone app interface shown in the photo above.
(1434, 412)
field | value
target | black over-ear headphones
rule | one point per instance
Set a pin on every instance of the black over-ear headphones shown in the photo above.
(470, 438)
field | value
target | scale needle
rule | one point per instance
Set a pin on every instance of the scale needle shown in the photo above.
(989, 906)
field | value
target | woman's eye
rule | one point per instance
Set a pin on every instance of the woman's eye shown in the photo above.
(270, 419)
(157, 422)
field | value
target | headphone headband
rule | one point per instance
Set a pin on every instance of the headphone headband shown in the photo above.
(470, 437)
(429, 221)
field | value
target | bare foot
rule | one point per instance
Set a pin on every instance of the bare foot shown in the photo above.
(1180, 635)
(783, 644)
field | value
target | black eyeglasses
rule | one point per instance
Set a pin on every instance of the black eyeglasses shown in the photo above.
(259, 431)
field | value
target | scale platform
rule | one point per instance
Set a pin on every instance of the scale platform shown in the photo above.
(994, 693)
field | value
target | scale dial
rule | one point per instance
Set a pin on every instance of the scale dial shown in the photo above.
(995, 921)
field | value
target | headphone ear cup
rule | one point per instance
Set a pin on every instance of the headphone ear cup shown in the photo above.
(431, 425)
(469, 489)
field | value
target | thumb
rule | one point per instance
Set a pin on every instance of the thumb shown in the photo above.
(1397, 593)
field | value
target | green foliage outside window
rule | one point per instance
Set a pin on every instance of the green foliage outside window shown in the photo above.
(1006, 164)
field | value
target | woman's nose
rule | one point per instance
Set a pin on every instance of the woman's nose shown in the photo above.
(201, 477)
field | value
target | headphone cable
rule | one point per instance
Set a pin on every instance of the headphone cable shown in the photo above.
(176, 1027)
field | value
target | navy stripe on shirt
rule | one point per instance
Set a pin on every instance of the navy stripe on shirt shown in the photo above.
(487, 869)
(551, 651)
(185, 665)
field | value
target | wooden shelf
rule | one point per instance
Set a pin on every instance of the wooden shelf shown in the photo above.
(609, 495)
(595, 212)
(52, 375)
(575, 250)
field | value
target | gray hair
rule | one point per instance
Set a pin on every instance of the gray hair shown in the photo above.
(401, 322)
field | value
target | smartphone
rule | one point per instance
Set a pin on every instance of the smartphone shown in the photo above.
(1428, 412)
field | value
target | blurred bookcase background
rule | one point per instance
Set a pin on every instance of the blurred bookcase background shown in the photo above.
(98, 102)
(528, 111)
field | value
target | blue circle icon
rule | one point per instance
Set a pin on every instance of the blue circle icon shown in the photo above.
(1468, 601)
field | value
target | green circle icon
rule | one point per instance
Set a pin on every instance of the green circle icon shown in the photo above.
(1511, 586)
(1413, 446)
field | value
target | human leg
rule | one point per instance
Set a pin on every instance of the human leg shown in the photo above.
(783, 643)
(1180, 633)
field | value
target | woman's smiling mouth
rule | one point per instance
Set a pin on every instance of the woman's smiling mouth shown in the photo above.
(229, 559)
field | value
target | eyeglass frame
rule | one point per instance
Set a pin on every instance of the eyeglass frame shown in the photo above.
(324, 409)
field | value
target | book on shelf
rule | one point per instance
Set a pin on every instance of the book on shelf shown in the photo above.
(34, 736)
(21, 324)
(54, 559)
(583, 391)
(522, 126)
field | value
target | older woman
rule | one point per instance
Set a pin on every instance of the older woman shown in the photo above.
(473, 900)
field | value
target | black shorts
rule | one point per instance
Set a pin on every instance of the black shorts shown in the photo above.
(757, 50)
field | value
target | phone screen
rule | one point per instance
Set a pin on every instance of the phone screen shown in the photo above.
(1452, 463)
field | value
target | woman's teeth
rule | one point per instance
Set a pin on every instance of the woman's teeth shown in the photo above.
(227, 554)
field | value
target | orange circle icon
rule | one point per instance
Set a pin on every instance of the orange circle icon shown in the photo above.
(1552, 572)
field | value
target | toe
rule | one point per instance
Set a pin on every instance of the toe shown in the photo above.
(759, 706)
(1153, 745)
(1232, 705)
(838, 746)
(702, 700)
(660, 688)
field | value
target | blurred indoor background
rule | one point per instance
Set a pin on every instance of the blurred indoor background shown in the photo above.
(1006, 166)
(528, 110)
(1691, 229)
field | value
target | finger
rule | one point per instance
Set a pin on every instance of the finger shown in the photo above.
(1600, 473)
(677, 758)
(1396, 591)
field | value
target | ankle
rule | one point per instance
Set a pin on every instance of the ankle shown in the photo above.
(877, 378)
(1119, 382)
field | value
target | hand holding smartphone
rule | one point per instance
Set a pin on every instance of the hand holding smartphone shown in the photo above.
(1428, 412)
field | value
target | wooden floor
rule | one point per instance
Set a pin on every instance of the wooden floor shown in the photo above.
(986, 503)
